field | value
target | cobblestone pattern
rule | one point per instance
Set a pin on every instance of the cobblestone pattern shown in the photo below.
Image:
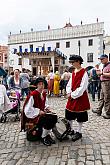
(92, 149)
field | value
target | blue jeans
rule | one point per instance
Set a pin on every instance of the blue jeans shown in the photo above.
(24, 91)
(95, 88)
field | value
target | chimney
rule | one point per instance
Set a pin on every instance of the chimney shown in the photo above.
(97, 20)
(31, 29)
(48, 27)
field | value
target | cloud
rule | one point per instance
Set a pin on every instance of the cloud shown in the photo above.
(23, 15)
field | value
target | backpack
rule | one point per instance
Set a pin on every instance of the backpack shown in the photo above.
(94, 74)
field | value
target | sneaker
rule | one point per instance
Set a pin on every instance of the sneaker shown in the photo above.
(76, 136)
(52, 141)
(46, 141)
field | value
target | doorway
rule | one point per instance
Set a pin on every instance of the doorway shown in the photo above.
(34, 71)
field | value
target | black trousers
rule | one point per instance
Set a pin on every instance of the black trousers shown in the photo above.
(48, 121)
(79, 116)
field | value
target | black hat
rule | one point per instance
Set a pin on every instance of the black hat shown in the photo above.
(39, 79)
(75, 58)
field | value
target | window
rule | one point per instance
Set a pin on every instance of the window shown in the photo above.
(109, 56)
(57, 45)
(5, 58)
(67, 44)
(19, 61)
(31, 48)
(89, 57)
(90, 42)
(56, 62)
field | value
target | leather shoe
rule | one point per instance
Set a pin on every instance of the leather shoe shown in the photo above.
(76, 136)
(106, 116)
(46, 141)
(52, 141)
(71, 133)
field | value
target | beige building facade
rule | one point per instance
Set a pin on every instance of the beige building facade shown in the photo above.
(4, 56)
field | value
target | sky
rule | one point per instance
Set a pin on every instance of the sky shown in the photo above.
(16, 15)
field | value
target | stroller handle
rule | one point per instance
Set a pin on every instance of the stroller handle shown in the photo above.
(15, 88)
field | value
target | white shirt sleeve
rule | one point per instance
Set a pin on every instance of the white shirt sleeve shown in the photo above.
(83, 87)
(7, 101)
(68, 87)
(29, 110)
(46, 103)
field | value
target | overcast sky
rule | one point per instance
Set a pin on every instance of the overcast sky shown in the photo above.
(16, 15)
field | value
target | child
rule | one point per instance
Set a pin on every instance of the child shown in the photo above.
(35, 110)
(78, 102)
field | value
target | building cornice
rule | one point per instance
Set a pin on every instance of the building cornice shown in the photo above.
(58, 34)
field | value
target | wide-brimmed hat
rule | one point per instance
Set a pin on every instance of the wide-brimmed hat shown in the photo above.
(75, 58)
(38, 80)
(103, 56)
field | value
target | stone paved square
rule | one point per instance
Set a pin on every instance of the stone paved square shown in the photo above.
(92, 149)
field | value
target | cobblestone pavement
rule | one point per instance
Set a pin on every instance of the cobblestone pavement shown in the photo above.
(93, 149)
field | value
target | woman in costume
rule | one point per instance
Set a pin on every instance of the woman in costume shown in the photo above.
(78, 102)
(56, 83)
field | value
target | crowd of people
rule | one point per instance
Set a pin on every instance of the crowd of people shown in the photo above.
(75, 86)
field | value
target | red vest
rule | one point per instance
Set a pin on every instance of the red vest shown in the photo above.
(81, 103)
(38, 103)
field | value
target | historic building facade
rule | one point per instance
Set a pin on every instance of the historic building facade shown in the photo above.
(107, 46)
(4, 56)
(85, 40)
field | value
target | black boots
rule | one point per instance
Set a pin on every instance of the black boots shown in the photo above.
(48, 140)
(76, 136)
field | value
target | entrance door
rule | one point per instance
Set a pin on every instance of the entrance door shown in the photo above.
(44, 70)
(34, 71)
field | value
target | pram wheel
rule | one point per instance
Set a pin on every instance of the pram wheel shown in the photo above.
(17, 118)
(3, 118)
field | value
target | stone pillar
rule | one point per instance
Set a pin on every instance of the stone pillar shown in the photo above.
(53, 63)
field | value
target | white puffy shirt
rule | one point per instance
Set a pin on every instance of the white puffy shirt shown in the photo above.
(79, 91)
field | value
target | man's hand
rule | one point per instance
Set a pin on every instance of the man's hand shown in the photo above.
(47, 110)
(68, 95)
(99, 73)
(41, 113)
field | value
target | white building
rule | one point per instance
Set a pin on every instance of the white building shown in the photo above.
(85, 40)
(107, 46)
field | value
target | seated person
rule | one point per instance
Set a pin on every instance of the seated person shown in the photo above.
(36, 111)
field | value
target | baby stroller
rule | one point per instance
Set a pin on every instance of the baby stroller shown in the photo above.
(14, 95)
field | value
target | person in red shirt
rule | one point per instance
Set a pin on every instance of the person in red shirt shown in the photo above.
(78, 102)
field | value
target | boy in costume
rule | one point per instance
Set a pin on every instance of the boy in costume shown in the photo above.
(36, 111)
(78, 102)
